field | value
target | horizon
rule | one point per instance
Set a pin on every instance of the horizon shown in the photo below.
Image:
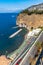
(18, 5)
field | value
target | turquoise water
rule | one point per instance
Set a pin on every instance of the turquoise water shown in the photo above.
(7, 22)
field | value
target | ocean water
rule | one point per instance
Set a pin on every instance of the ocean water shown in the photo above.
(7, 22)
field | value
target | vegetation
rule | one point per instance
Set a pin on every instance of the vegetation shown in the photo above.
(41, 27)
(38, 45)
(31, 28)
(25, 11)
(33, 11)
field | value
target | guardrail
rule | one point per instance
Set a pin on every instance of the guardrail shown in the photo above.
(27, 55)
(26, 52)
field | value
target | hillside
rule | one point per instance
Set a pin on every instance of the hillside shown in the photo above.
(37, 9)
(32, 16)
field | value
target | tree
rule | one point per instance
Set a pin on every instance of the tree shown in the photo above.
(38, 45)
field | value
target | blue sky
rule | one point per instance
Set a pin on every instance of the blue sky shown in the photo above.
(15, 5)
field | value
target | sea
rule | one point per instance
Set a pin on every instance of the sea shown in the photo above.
(7, 28)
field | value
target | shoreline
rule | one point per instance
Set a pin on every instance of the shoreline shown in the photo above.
(4, 60)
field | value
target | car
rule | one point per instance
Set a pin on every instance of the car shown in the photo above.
(18, 62)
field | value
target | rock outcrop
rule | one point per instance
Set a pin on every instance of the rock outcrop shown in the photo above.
(35, 19)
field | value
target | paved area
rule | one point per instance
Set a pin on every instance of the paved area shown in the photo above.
(25, 59)
(27, 55)
(26, 45)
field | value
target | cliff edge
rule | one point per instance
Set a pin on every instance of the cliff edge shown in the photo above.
(31, 17)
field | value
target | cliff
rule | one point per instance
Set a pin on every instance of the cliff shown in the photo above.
(31, 17)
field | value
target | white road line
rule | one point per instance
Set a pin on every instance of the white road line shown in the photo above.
(24, 59)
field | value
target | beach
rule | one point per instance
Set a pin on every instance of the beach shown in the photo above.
(4, 60)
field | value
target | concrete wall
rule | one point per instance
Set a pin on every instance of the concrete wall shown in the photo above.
(32, 51)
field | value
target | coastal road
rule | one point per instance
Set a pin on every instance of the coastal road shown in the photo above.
(24, 53)
(25, 60)
(29, 43)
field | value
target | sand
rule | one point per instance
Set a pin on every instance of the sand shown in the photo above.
(4, 60)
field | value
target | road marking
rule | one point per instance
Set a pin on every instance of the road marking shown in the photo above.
(24, 59)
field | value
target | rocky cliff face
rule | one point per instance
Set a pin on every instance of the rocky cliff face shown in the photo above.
(35, 19)
(38, 7)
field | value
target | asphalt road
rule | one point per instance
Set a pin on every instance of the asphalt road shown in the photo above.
(25, 60)
(29, 45)
(24, 51)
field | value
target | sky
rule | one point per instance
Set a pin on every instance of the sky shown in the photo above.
(16, 5)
